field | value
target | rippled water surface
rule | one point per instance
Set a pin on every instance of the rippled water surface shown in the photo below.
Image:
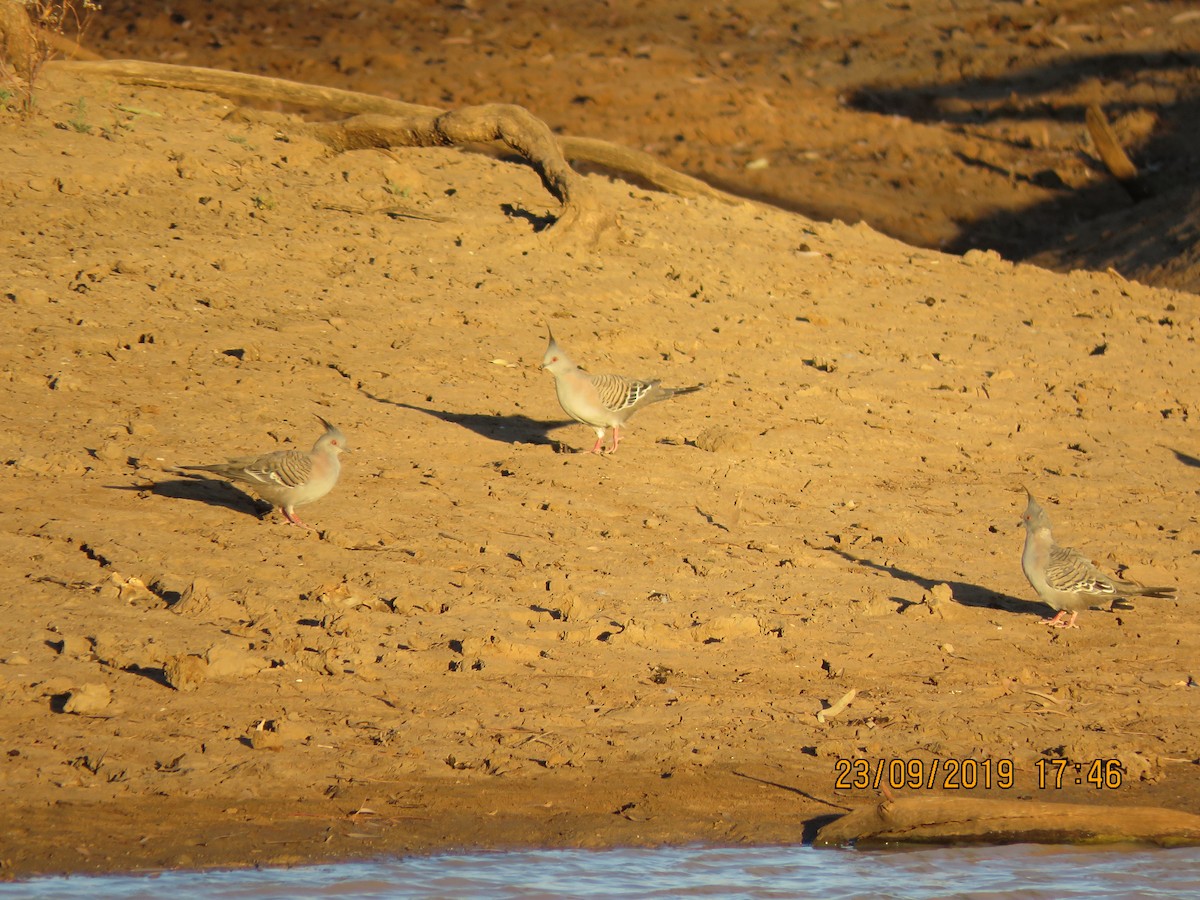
(1019, 871)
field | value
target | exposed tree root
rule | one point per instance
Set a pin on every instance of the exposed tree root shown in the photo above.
(582, 216)
(246, 87)
(1113, 155)
(380, 122)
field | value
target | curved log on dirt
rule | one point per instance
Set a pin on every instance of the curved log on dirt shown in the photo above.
(414, 125)
(627, 161)
(941, 820)
(238, 85)
(513, 126)
(380, 122)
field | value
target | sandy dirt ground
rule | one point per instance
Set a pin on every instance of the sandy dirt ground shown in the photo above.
(490, 637)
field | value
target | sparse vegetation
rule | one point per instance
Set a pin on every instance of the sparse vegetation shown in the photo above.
(78, 122)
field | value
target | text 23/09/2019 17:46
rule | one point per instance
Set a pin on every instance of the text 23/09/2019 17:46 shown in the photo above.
(969, 774)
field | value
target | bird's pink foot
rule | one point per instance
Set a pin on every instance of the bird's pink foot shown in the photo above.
(294, 519)
(1057, 621)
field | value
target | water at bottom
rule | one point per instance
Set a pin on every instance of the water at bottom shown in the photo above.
(1022, 871)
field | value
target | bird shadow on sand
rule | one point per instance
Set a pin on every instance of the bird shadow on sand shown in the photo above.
(963, 592)
(199, 489)
(516, 429)
(1185, 458)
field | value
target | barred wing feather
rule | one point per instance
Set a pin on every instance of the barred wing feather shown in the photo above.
(1071, 572)
(289, 468)
(617, 392)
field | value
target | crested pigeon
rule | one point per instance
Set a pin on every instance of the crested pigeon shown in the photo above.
(288, 478)
(601, 401)
(1065, 579)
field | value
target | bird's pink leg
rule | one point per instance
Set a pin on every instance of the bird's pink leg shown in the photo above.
(616, 439)
(599, 445)
(1057, 621)
(292, 518)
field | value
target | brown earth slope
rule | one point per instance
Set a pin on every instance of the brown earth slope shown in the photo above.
(948, 125)
(491, 640)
